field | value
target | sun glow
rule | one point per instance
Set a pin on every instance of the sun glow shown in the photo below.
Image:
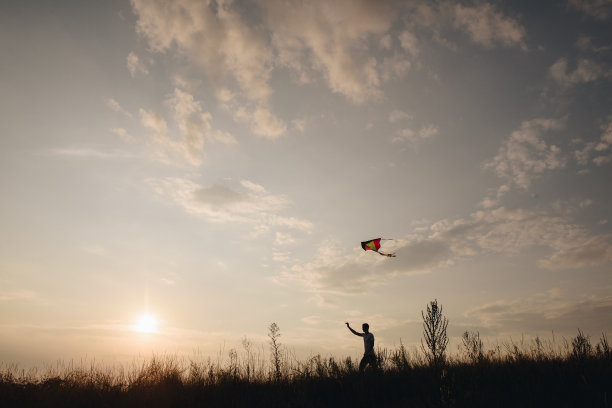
(146, 324)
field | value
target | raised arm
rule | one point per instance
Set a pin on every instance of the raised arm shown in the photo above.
(353, 331)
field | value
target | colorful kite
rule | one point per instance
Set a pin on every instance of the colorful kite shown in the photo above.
(374, 245)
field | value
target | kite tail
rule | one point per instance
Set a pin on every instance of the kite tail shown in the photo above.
(389, 255)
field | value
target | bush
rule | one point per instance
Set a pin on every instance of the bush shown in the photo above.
(434, 334)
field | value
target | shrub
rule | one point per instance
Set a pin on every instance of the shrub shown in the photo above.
(581, 346)
(434, 334)
(472, 346)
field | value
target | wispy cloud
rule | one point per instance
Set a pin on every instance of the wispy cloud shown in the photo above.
(230, 201)
(584, 252)
(194, 130)
(116, 107)
(543, 312)
(597, 9)
(397, 115)
(327, 38)
(605, 143)
(194, 125)
(262, 122)
(318, 38)
(503, 231)
(299, 124)
(351, 45)
(483, 22)
(488, 26)
(334, 272)
(526, 155)
(585, 71)
(217, 38)
(123, 134)
(284, 238)
(220, 41)
(16, 295)
(415, 137)
(584, 149)
(135, 66)
(89, 153)
(570, 245)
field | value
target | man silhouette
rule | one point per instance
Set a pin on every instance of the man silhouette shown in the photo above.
(368, 344)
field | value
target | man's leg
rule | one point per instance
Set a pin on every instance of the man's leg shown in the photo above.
(373, 361)
(363, 363)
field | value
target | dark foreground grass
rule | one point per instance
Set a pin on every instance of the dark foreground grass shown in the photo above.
(516, 379)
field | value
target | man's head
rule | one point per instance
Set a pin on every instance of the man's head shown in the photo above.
(365, 327)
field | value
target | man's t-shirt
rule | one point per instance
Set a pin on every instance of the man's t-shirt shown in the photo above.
(368, 343)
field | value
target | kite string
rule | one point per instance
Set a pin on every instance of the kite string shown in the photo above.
(382, 253)
(392, 255)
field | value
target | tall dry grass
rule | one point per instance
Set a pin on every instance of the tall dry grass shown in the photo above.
(565, 373)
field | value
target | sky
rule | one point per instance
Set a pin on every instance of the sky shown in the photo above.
(177, 175)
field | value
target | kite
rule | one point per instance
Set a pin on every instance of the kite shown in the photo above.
(374, 245)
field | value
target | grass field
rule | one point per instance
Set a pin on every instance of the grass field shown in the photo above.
(539, 373)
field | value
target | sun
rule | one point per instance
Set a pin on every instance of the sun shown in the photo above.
(146, 323)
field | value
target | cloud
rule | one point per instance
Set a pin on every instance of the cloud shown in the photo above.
(586, 44)
(311, 320)
(511, 231)
(586, 71)
(154, 122)
(597, 9)
(229, 201)
(332, 273)
(483, 22)
(226, 45)
(89, 153)
(116, 107)
(409, 43)
(185, 84)
(284, 238)
(194, 130)
(606, 137)
(544, 312)
(604, 144)
(414, 137)
(335, 272)
(135, 66)
(420, 255)
(262, 122)
(583, 253)
(398, 115)
(601, 160)
(525, 155)
(329, 38)
(487, 26)
(583, 155)
(194, 126)
(588, 148)
(162, 145)
(17, 295)
(352, 45)
(216, 36)
(299, 125)
(123, 134)
(491, 200)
